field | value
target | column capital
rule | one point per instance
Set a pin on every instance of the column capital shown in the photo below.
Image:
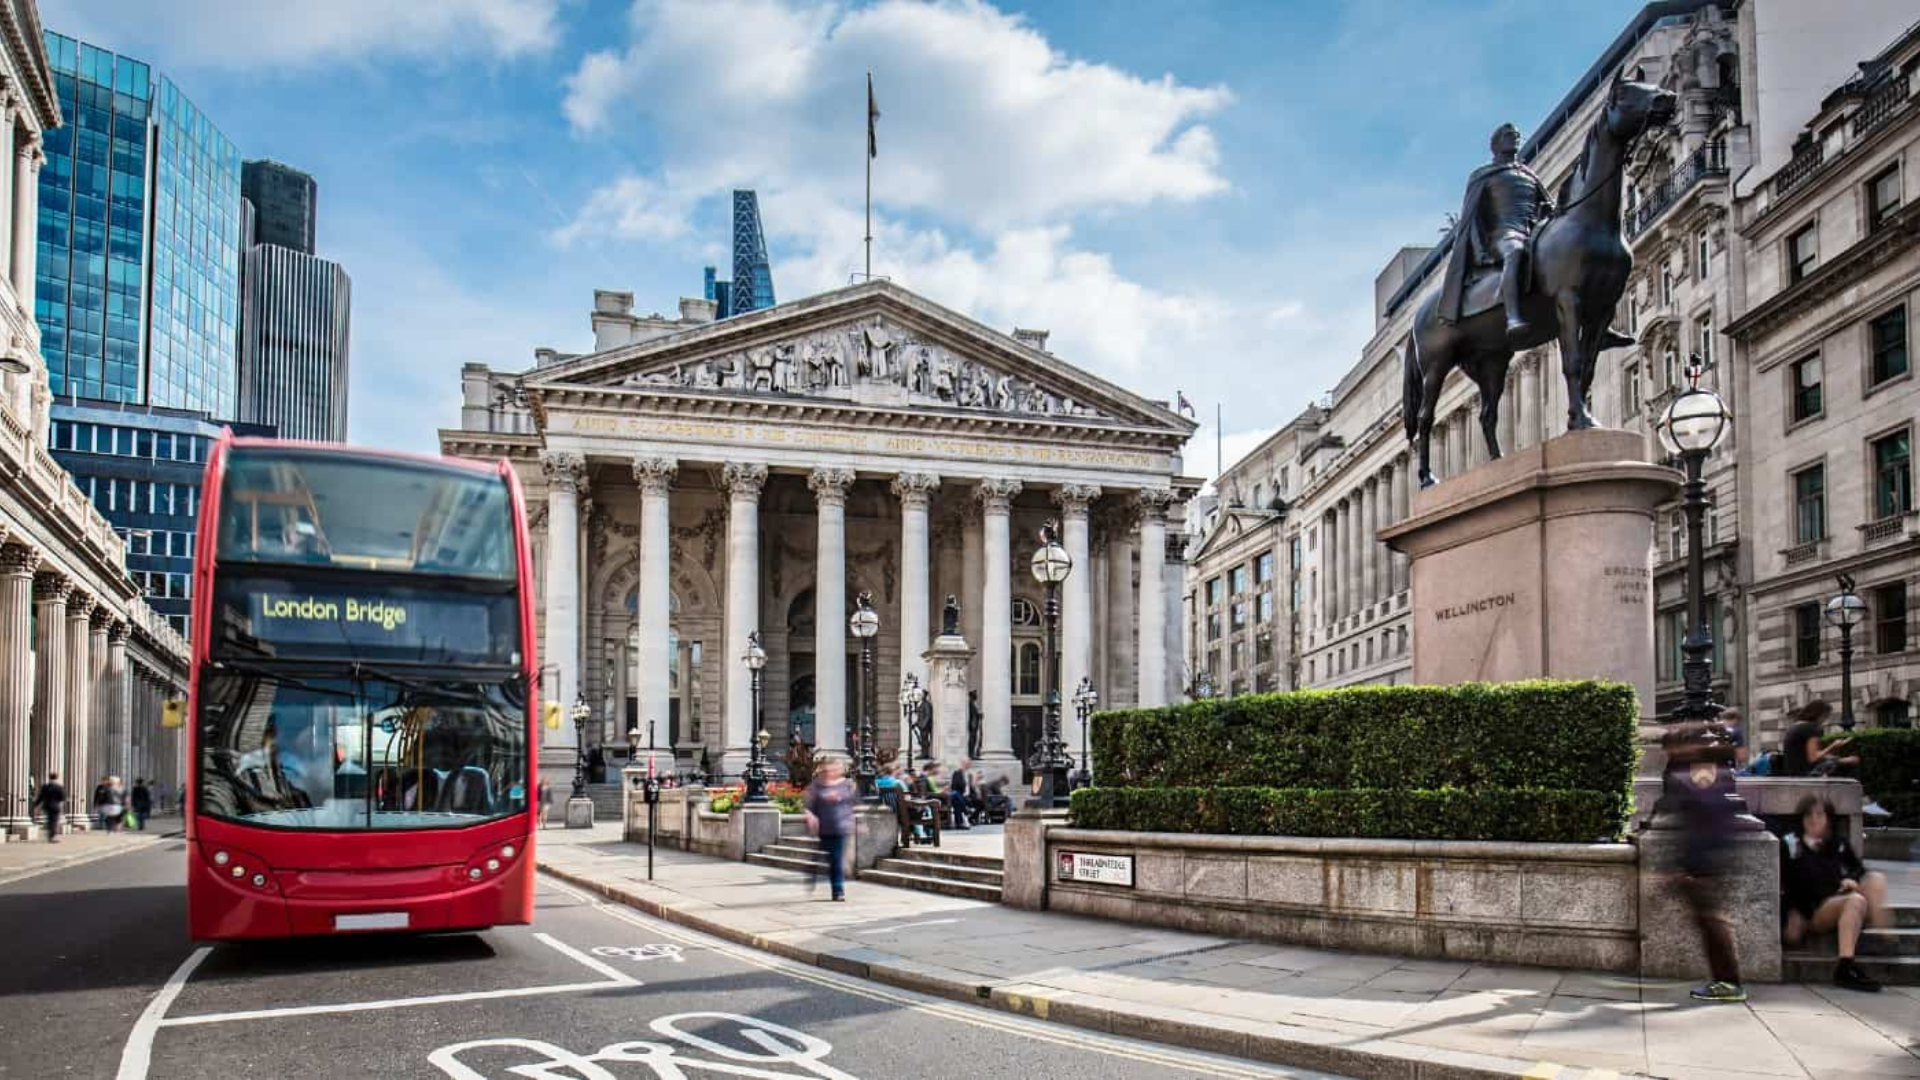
(915, 489)
(51, 585)
(1075, 499)
(829, 484)
(655, 475)
(80, 605)
(1153, 503)
(743, 479)
(565, 470)
(996, 493)
(19, 560)
(118, 631)
(103, 618)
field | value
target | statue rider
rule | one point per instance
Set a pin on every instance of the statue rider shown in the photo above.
(1504, 204)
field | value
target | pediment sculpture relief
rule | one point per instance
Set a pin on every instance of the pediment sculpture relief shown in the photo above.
(828, 363)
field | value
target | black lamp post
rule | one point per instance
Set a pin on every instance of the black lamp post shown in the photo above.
(1694, 424)
(1051, 564)
(865, 623)
(581, 713)
(1084, 700)
(756, 659)
(913, 697)
(1846, 611)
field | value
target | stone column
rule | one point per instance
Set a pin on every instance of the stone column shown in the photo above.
(653, 689)
(17, 564)
(1121, 689)
(7, 190)
(1349, 602)
(830, 611)
(1369, 576)
(77, 760)
(1383, 517)
(915, 491)
(566, 473)
(1329, 559)
(1506, 423)
(99, 745)
(1152, 650)
(1457, 445)
(1076, 593)
(996, 622)
(118, 706)
(744, 482)
(26, 170)
(972, 583)
(1528, 413)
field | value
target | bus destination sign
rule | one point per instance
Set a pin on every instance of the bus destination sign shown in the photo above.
(306, 620)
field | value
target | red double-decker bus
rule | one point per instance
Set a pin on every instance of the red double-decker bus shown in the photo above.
(361, 714)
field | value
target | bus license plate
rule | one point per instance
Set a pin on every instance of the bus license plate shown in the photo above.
(379, 920)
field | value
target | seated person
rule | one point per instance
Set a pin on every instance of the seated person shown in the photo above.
(890, 786)
(1830, 890)
(1801, 750)
(960, 804)
(998, 804)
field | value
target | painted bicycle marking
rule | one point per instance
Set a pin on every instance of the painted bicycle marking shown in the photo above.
(773, 1046)
(637, 953)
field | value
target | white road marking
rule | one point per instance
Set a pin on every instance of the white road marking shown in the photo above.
(906, 926)
(608, 970)
(779, 1045)
(641, 953)
(137, 1056)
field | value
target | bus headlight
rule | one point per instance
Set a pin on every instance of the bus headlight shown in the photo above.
(220, 858)
(239, 871)
(473, 874)
(493, 864)
(259, 881)
(507, 852)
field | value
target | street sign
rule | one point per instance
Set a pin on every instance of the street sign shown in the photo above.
(1096, 869)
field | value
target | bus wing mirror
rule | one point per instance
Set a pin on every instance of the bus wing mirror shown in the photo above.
(553, 716)
(173, 713)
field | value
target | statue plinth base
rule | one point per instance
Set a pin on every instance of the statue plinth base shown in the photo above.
(1539, 565)
(947, 661)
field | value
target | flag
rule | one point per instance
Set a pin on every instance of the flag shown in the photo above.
(1181, 404)
(873, 119)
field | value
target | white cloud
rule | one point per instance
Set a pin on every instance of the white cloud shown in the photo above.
(983, 122)
(631, 208)
(254, 34)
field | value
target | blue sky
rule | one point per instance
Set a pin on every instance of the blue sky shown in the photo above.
(1191, 196)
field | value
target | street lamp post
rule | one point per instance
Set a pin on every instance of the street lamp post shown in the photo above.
(1084, 700)
(912, 697)
(581, 713)
(865, 624)
(756, 660)
(1051, 565)
(1694, 424)
(1846, 611)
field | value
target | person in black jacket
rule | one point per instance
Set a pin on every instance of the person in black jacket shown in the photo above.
(52, 801)
(142, 803)
(1830, 891)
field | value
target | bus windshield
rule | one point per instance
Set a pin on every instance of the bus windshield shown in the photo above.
(332, 752)
(327, 509)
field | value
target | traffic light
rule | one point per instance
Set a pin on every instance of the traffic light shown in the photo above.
(553, 715)
(173, 713)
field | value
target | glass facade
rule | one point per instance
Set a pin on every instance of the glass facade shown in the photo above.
(137, 295)
(752, 286)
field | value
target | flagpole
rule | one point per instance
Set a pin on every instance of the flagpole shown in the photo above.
(869, 157)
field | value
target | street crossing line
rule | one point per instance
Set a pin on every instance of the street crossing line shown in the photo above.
(393, 1003)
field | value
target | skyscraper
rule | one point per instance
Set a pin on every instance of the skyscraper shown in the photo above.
(293, 342)
(752, 286)
(137, 292)
(285, 204)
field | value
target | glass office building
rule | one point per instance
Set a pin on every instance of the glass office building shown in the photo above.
(752, 286)
(138, 294)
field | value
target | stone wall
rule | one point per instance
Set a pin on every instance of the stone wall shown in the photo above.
(1562, 905)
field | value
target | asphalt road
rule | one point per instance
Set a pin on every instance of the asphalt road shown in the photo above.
(99, 980)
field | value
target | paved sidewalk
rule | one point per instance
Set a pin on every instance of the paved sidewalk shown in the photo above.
(22, 859)
(1338, 1012)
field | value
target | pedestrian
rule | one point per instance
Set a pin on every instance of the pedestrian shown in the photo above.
(109, 803)
(142, 803)
(52, 802)
(959, 798)
(1829, 890)
(546, 800)
(1699, 779)
(1802, 751)
(829, 801)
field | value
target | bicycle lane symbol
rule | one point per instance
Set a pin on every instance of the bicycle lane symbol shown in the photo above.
(642, 953)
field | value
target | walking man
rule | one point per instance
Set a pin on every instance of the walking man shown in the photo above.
(142, 804)
(52, 803)
(1700, 780)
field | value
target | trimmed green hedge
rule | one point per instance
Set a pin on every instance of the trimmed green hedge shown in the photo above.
(1540, 760)
(1526, 814)
(1890, 772)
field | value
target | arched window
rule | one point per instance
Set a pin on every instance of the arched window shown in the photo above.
(1027, 669)
(1024, 612)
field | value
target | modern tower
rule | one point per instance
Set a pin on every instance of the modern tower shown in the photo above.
(752, 286)
(137, 292)
(285, 203)
(293, 342)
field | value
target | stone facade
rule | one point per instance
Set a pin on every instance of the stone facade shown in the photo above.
(703, 479)
(85, 664)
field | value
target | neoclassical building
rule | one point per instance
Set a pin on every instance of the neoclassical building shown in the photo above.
(691, 481)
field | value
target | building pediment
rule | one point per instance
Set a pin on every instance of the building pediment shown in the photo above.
(871, 346)
(1234, 523)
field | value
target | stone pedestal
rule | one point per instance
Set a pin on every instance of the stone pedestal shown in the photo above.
(876, 835)
(1539, 565)
(580, 813)
(1749, 897)
(947, 688)
(1024, 857)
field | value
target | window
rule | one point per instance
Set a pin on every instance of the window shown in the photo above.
(1666, 285)
(1027, 669)
(1703, 339)
(1676, 535)
(1213, 626)
(1883, 197)
(1670, 365)
(1263, 568)
(1807, 400)
(1630, 392)
(1240, 615)
(1216, 591)
(1803, 254)
(1702, 253)
(1893, 714)
(1024, 613)
(1713, 519)
(1892, 475)
(1671, 631)
(1806, 635)
(1887, 337)
(1890, 618)
(1263, 649)
(1280, 483)
(1263, 608)
(1293, 553)
(1633, 316)
(1259, 499)
(1237, 578)
(1810, 504)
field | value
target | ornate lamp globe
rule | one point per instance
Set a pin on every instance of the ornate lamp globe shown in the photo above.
(865, 622)
(581, 710)
(755, 656)
(763, 738)
(1086, 695)
(1051, 563)
(1696, 420)
(910, 691)
(1847, 610)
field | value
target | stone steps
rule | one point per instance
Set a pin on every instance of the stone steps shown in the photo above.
(1891, 955)
(943, 871)
(949, 873)
(1812, 968)
(965, 889)
(608, 801)
(788, 862)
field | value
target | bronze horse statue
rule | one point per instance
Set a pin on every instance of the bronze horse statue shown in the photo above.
(1578, 271)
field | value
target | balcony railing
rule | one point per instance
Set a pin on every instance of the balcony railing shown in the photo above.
(1708, 161)
(1879, 107)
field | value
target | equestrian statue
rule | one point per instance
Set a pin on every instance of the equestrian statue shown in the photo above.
(1522, 273)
